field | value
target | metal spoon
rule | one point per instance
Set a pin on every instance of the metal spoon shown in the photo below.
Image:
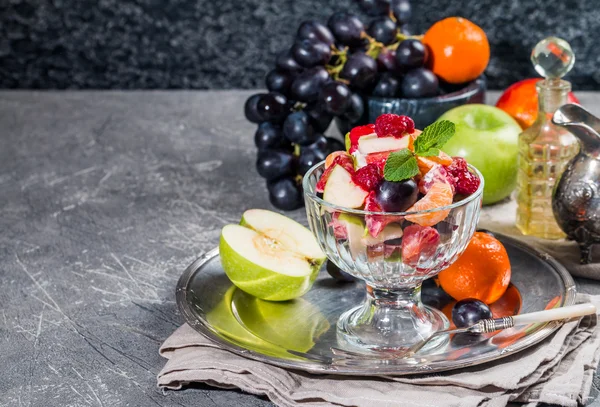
(483, 326)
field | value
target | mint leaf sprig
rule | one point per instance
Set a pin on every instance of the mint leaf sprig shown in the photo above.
(402, 165)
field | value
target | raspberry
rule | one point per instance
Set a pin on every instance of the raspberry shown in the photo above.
(357, 133)
(393, 125)
(367, 177)
(465, 182)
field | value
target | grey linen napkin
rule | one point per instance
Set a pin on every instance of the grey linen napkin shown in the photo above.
(557, 371)
(501, 218)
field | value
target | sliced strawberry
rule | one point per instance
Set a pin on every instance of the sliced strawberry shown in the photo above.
(437, 173)
(357, 133)
(339, 229)
(419, 243)
(378, 159)
(376, 223)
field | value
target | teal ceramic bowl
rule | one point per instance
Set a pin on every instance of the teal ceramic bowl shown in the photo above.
(423, 111)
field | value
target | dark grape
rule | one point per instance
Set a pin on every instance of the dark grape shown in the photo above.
(297, 128)
(279, 81)
(307, 85)
(334, 144)
(386, 62)
(286, 62)
(272, 164)
(375, 7)
(360, 69)
(312, 154)
(402, 10)
(310, 53)
(407, 29)
(346, 28)
(361, 46)
(334, 98)
(383, 29)
(268, 136)
(396, 196)
(388, 86)
(469, 311)
(273, 107)
(338, 274)
(356, 109)
(285, 194)
(251, 108)
(433, 295)
(411, 54)
(419, 82)
(319, 119)
(313, 30)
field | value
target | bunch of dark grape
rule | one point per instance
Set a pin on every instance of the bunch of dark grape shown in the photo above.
(326, 74)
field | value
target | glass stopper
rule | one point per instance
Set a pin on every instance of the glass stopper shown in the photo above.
(552, 57)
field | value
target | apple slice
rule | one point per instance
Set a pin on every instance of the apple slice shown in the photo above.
(341, 190)
(370, 145)
(270, 256)
(355, 228)
(390, 232)
(359, 237)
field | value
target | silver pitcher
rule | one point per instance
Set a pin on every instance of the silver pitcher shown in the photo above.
(576, 195)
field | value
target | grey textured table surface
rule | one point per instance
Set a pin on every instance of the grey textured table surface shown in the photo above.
(105, 197)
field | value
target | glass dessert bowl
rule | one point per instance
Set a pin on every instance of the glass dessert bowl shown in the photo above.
(392, 227)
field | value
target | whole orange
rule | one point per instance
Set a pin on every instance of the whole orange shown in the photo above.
(481, 272)
(520, 100)
(459, 49)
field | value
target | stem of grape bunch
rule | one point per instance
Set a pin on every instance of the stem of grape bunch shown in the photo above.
(328, 71)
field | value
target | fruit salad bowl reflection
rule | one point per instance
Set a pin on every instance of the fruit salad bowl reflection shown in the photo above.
(393, 253)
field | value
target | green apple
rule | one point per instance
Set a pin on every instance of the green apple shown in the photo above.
(487, 138)
(292, 325)
(341, 190)
(270, 256)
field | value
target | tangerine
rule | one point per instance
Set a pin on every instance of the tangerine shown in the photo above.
(481, 272)
(459, 50)
(440, 194)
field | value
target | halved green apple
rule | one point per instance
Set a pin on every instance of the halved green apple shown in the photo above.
(270, 256)
(341, 190)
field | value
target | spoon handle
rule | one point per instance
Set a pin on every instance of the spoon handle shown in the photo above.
(498, 324)
(571, 311)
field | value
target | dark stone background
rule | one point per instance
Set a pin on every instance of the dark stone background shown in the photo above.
(211, 44)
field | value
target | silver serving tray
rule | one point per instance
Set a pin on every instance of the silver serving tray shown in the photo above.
(300, 334)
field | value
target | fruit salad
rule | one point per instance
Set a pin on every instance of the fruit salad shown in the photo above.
(403, 181)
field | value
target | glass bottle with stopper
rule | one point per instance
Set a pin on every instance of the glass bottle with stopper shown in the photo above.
(544, 148)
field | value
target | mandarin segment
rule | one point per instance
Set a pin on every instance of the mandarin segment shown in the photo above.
(440, 194)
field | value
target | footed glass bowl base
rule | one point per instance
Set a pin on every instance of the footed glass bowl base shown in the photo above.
(367, 329)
